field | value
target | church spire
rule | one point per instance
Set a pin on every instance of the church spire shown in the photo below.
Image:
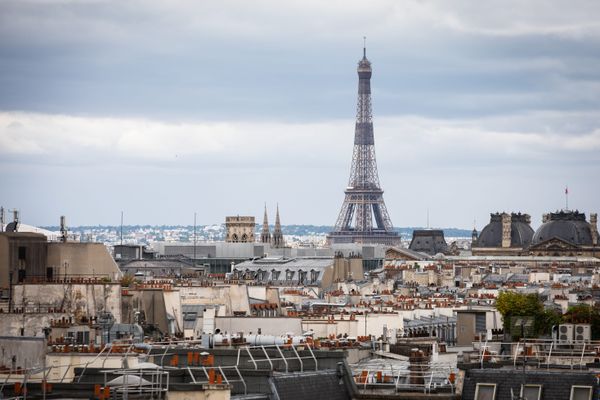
(265, 235)
(277, 233)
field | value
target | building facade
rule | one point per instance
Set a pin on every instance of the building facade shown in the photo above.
(239, 229)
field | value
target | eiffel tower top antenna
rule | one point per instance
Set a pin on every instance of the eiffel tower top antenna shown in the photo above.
(364, 47)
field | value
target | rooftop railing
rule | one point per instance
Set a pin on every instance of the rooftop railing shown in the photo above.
(542, 353)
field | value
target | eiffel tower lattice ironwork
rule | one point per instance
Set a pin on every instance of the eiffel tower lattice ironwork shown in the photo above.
(364, 217)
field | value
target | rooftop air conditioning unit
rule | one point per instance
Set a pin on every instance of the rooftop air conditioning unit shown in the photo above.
(583, 333)
(565, 333)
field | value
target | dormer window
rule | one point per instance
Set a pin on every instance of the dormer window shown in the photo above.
(302, 276)
(275, 275)
(314, 275)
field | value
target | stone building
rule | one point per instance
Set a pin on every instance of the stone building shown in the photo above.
(506, 234)
(26, 257)
(239, 229)
(301, 271)
(566, 233)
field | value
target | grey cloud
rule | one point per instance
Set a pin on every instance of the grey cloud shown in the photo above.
(479, 107)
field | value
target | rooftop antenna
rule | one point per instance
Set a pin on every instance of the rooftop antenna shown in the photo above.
(566, 198)
(364, 46)
(194, 238)
(63, 229)
(121, 228)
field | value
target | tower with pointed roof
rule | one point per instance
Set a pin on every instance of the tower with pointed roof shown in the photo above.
(265, 235)
(277, 239)
(364, 217)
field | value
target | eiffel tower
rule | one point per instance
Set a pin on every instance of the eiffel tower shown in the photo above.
(364, 217)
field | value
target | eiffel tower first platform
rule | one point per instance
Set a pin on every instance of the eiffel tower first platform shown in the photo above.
(364, 217)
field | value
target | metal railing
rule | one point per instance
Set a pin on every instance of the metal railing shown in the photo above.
(150, 382)
(406, 380)
(286, 360)
(543, 352)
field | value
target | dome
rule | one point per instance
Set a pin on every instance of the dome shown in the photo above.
(521, 232)
(429, 241)
(569, 226)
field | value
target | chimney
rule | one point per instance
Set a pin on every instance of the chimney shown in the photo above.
(16, 219)
(506, 222)
(63, 229)
(594, 228)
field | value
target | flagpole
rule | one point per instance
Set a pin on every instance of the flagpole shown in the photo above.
(567, 198)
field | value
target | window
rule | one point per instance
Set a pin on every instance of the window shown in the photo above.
(22, 253)
(289, 275)
(480, 325)
(302, 276)
(190, 316)
(581, 392)
(531, 392)
(275, 275)
(485, 391)
(314, 275)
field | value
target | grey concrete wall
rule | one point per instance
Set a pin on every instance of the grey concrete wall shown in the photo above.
(34, 262)
(82, 259)
(233, 297)
(29, 352)
(76, 299)
(32, 324)
(465, 329)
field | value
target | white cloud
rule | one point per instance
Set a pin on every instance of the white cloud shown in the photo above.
(82, 138)
(502, 100)
(479, 165)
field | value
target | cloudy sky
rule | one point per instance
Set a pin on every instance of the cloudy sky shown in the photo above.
(161, 109)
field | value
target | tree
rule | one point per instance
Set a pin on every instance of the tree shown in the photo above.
(579, 314)
(584, 314)
(513, 304)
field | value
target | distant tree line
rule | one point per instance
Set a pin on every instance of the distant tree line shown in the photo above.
(300, 230)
